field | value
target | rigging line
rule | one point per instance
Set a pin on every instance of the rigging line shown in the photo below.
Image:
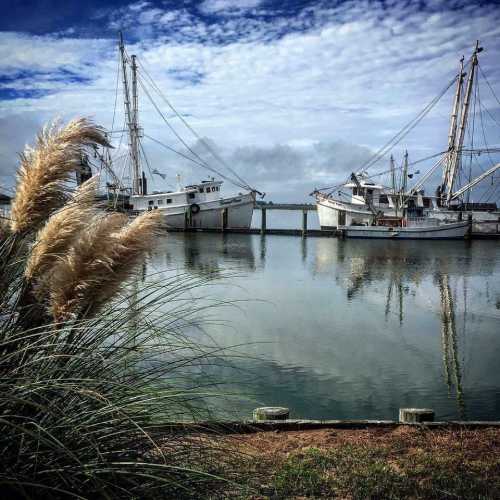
(191, 129)
(187, 157)
(491, 116)
(482, 127)
(486, 80)
(147, 162)
(200, 160)
(116, 94)
(471, 136)
(407, 128)
(384, 172)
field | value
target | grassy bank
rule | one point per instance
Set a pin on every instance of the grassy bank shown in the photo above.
(405, 462)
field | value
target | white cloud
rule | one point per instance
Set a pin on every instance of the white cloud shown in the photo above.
(223, 6)
(275, 88)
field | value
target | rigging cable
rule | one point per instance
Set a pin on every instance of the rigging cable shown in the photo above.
(406, 129)
(200, 161)
(191, 129)
(187, 157)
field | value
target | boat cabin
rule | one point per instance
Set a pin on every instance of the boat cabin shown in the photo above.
(204, 192)
(368, 191)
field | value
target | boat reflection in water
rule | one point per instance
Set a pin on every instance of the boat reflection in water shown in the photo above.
(352, 328)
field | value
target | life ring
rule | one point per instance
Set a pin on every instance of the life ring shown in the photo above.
(194, 208)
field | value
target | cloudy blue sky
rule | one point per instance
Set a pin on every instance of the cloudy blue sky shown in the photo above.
(294, 94)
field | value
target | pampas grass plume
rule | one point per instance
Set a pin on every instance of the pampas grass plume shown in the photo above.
(61, 229)
(45, 168)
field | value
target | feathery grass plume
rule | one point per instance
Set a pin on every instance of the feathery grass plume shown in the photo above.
(130, 246)
(61, 229)
(45, 168)
(79, 273)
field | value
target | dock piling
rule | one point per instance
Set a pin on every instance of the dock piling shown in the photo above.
(304, 223)
(263, 222)
(415, 415)
(224, 219)
(271, 413)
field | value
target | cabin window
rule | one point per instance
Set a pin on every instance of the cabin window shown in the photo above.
(383, 199)
(427, 202)
(355, 191)
(217, 188)
(151, 203)
(159, 202)
(369, 192)
(202, 190)
(191, 195)
(169, 200)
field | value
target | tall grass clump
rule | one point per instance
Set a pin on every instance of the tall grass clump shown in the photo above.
(88, 364)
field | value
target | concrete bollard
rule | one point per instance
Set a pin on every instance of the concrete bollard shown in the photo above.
(271, 413)
(415, 415)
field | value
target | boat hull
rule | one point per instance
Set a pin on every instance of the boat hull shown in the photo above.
(230, 213)
(454, 231)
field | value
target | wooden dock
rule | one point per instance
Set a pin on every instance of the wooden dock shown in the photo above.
(255, 230)
(261, 205)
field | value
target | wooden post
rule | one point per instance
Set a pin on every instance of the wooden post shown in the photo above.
(224, 219)
(186, 220)
(415, 415)
(304, 223)
(271, 413)
(469, 228)
(263, 222)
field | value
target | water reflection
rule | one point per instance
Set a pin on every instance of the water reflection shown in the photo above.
(403, 267)
(355, 329)
(449, 342)
(205, 254)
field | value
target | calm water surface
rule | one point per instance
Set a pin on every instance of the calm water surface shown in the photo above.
(352, 329)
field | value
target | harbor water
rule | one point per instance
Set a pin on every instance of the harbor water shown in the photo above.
(337, 329)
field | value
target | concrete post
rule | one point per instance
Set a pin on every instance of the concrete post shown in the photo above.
(271, 413)
(263, 222)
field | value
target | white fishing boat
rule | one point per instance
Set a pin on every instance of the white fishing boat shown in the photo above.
(364, 208)
(199, 205)
(414, 229)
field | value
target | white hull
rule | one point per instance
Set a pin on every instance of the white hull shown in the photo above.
(452, 231)
(333, 214)
(239, 211)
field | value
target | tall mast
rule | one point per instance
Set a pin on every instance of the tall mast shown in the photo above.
(463, 123)
(131, 112)
(393, 184)
(404, 180)
(453, 125)
(393, 175)
(136, 161)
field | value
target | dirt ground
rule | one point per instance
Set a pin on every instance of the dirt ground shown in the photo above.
(401, 462)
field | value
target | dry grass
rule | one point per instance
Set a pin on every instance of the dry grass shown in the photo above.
(45, 168)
